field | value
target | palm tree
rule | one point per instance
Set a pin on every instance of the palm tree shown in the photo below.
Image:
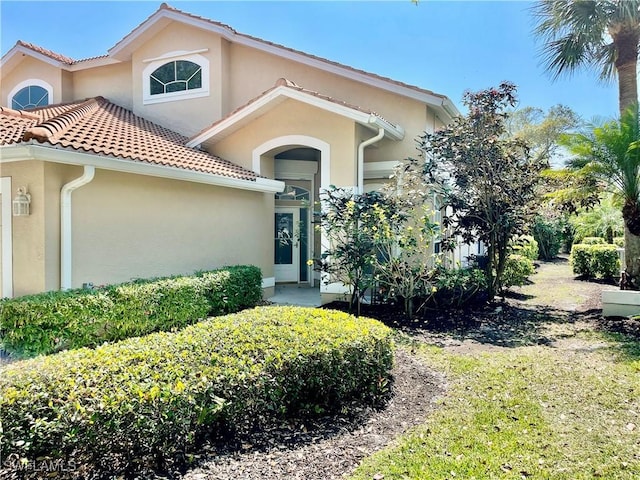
(611, 153)
(602, 34)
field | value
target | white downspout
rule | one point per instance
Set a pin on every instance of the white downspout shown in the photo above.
(65, 224)
(360, 165)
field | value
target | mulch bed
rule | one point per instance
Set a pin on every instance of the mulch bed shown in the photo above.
(330, 447)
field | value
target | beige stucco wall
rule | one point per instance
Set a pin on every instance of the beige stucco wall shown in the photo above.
(67, 87)
(130, 226)
(295, 118)
(253, 72)
(29, 251)
(55, 176)
(187, 116)
(112, 82)
(31, 68)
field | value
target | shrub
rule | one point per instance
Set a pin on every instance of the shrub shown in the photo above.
(54, 321)
(549, 233)
(455, 288)
(517, 270)
(526, 246)
(618, 242)
(595, 260)
(232, 289)
(592, 241)
(147, 402)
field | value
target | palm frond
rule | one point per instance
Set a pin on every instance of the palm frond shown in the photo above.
(575, 33)
(604, 59)
(610, 152)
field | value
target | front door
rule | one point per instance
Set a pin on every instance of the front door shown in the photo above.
(286, 244)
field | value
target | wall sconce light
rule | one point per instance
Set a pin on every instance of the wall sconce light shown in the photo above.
(21, 203)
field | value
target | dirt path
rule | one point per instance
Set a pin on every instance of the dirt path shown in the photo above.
(554, 286)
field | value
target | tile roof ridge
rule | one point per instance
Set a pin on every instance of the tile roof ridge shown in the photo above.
(283, 82)
(166, 6)
(48, 129)
(44, 51)
(95, 57)
(18, 113)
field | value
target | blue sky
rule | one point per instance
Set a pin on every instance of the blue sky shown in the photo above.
(444, 46)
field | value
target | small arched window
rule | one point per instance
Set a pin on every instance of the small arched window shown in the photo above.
(31, 96)
(175, 76)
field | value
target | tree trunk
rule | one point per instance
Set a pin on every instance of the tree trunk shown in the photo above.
(491, 278)
(632, 258)
(626, 44)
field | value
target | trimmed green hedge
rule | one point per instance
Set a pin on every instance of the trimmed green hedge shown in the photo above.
(145, 403)
(517, 270)
(595, 260)
(526, 246)
(592, 241)
(54, 321)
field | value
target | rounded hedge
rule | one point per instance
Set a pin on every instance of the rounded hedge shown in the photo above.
(597, 260)
(145, 403)
(54, 321)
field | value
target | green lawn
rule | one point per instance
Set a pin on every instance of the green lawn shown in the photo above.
(529, 412)
(566, 411)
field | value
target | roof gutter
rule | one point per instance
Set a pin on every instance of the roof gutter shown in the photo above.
(360, 159)
(66, 256)
(450, 108)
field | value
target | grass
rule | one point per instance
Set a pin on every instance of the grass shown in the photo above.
(527, 413)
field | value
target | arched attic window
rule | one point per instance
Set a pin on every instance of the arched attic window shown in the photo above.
(175, 77)
(30, 94)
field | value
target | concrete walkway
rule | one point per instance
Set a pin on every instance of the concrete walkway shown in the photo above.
(294, 294)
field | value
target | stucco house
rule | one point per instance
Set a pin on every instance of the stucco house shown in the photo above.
(188, 146)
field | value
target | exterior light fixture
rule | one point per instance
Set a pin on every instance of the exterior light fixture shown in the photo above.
(21, 203)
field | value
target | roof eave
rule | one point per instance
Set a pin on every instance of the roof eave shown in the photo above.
(15, 153)
(125, 47)
(275, 96)
(13, 57)
(157, 21)
(91, 63)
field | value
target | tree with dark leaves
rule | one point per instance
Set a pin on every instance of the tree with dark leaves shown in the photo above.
(485, 178)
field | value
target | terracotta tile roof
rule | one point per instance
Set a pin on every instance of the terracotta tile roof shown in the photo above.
(283, 82)
(99, 127)
(48, 53)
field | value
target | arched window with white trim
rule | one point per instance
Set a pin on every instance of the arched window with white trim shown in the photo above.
(175, 76)
(30, 93)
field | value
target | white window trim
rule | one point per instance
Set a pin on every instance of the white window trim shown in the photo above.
(148, 99)
(29, 83)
